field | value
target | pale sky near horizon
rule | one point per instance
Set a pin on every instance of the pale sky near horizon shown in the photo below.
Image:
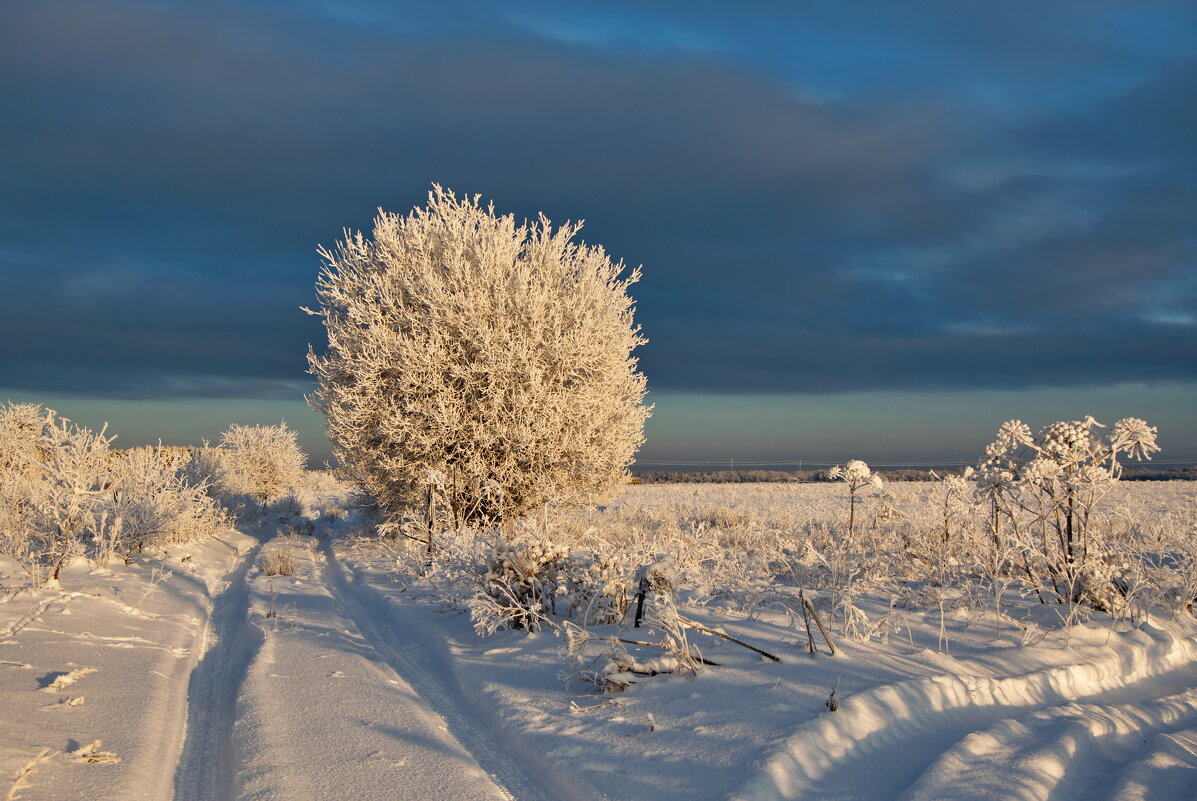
(738, 431)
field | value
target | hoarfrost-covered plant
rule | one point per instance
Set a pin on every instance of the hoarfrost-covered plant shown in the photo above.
(65, 493)
(20, 471)
(857, 476)
(464, 345)
(54, 485)
(1058, 476)
(75, 486)
(263, 461)
(20, 440)
(157, 503)
(520, 587)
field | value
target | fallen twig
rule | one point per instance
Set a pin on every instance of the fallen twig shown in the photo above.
(728, 637)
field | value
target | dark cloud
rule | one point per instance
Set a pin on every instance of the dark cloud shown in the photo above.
(943, 197)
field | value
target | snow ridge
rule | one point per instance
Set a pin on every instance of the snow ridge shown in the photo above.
(923, 712)
(1055, 753)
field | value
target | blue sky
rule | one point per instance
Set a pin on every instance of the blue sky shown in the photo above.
(868, 230)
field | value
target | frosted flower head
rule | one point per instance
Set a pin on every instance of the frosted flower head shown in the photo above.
(1134, 437)
(1039, 471)
(1091, 477)
(992, 480)
(1011, 436)
(957, 484)
(857, 471)
(1069, 442)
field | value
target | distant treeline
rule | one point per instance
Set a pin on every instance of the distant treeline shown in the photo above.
(1149, 473)
(1130, 473)
(756, 476)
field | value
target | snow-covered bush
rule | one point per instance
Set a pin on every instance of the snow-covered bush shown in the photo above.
(490, 354)
(203, 467)
(263, 461)
(20, 440)
(521, 586)
(596, 585)
(157, 503)
(65, 493)
(20, 471)
(69, 501)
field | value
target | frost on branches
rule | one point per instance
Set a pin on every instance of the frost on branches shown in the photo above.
(64, 493)
(496, 356)
(263, 461)
(1040, 491)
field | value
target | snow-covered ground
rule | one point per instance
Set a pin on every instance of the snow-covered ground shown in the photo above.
(201, 676)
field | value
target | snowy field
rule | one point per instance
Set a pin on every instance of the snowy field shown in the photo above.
(307, 658)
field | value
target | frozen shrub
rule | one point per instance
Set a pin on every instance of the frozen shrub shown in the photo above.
(471, 352)
(277, 560)
(67, 505)
(203, 468)
(156, 501)
(53, 505)
(65, 493)
(520, 587)
(262, 461)
(596, 586)
(20, 472)
(527, 584)
(20, 440)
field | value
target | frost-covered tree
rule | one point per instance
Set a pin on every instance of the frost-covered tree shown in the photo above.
(263, 461)
(482, 362)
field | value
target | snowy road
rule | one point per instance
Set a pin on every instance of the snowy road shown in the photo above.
(346, 698)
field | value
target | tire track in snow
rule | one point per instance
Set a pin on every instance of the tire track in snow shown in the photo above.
(206, 768)
(406, 645)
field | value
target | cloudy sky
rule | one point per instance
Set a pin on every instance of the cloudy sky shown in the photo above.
(868, 229)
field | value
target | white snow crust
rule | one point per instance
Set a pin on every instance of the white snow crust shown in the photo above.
(201, 677)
